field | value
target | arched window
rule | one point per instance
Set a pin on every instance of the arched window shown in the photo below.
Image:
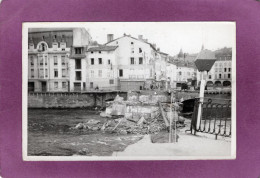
(42, 46)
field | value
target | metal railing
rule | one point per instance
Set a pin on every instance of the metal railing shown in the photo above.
(215, 119)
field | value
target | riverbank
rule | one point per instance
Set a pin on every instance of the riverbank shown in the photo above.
(50, 133)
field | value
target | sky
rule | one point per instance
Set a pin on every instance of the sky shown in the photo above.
(170, 37)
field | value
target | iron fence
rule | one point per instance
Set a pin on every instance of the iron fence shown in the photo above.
(215, 118)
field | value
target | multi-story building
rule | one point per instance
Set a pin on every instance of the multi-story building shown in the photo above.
(50, 67)
(221, 72)
(102, 67)
(171, 74)
(135, 61)
(78, 59)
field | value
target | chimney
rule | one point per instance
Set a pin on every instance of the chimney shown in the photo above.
(140, 37)
(110, 37)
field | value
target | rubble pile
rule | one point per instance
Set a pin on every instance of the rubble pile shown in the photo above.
(135, 117)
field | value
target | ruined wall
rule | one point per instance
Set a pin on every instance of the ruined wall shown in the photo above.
(70, 100)
(149, 97)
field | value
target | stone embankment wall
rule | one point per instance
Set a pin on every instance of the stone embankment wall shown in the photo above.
(71, 100)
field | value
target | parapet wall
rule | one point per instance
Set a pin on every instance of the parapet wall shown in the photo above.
(71, 100)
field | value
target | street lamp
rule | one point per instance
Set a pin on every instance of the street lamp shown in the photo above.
(204, 62)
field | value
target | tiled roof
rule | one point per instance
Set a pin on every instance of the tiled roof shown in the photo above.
(133, 38)
(206, 54)
(103, 48)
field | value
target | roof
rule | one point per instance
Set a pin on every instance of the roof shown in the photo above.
(132, 38)
(206, 54)
(163, 53)
(102, 48)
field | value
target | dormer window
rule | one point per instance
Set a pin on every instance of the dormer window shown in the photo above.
(63, 46)
(55, 46)
(31, 46)
(42, 47)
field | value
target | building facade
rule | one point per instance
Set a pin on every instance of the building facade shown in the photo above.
(50, 67)
(135, 61)
(221, 72)
(102, 67)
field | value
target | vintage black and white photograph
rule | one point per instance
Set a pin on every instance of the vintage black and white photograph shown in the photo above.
(129, 90)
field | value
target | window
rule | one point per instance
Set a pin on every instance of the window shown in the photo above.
(151, 72)
(55, 46)
(41, 60)
(99, 52)
(120, 72)
(111, 81)
(63, 72)
(55, 72)
(56, 85)
(100, 60)
(84, 85)
(99, 73)
(216, 76)
(77, 50)
(42, 47)
(46, 73)
(31, 46)
(225, 69)
(219, 75)
(209, 76)
(46, 61)
(32, 73)
(78, 63)
(91, 52)
(140, 50)
(63, 62)
(41, 73)
(91, 85)
(64, 85)
(132, 60)
(108, 62)
(92, 73)
(55, 60)
(180, 73)
(229, 75)
(132, 43)
(92, 61)
(140, 60)
(63, 46)
(78, 75)
(216, 70)
(31, 60)
(229, 69)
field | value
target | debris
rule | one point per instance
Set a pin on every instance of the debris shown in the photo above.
(118, 98)
(84, 151)
(95, 128)
(123, 132)
(104, 114)
(79, 126)
(93, 122)
(141, 121)
(117, 125)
